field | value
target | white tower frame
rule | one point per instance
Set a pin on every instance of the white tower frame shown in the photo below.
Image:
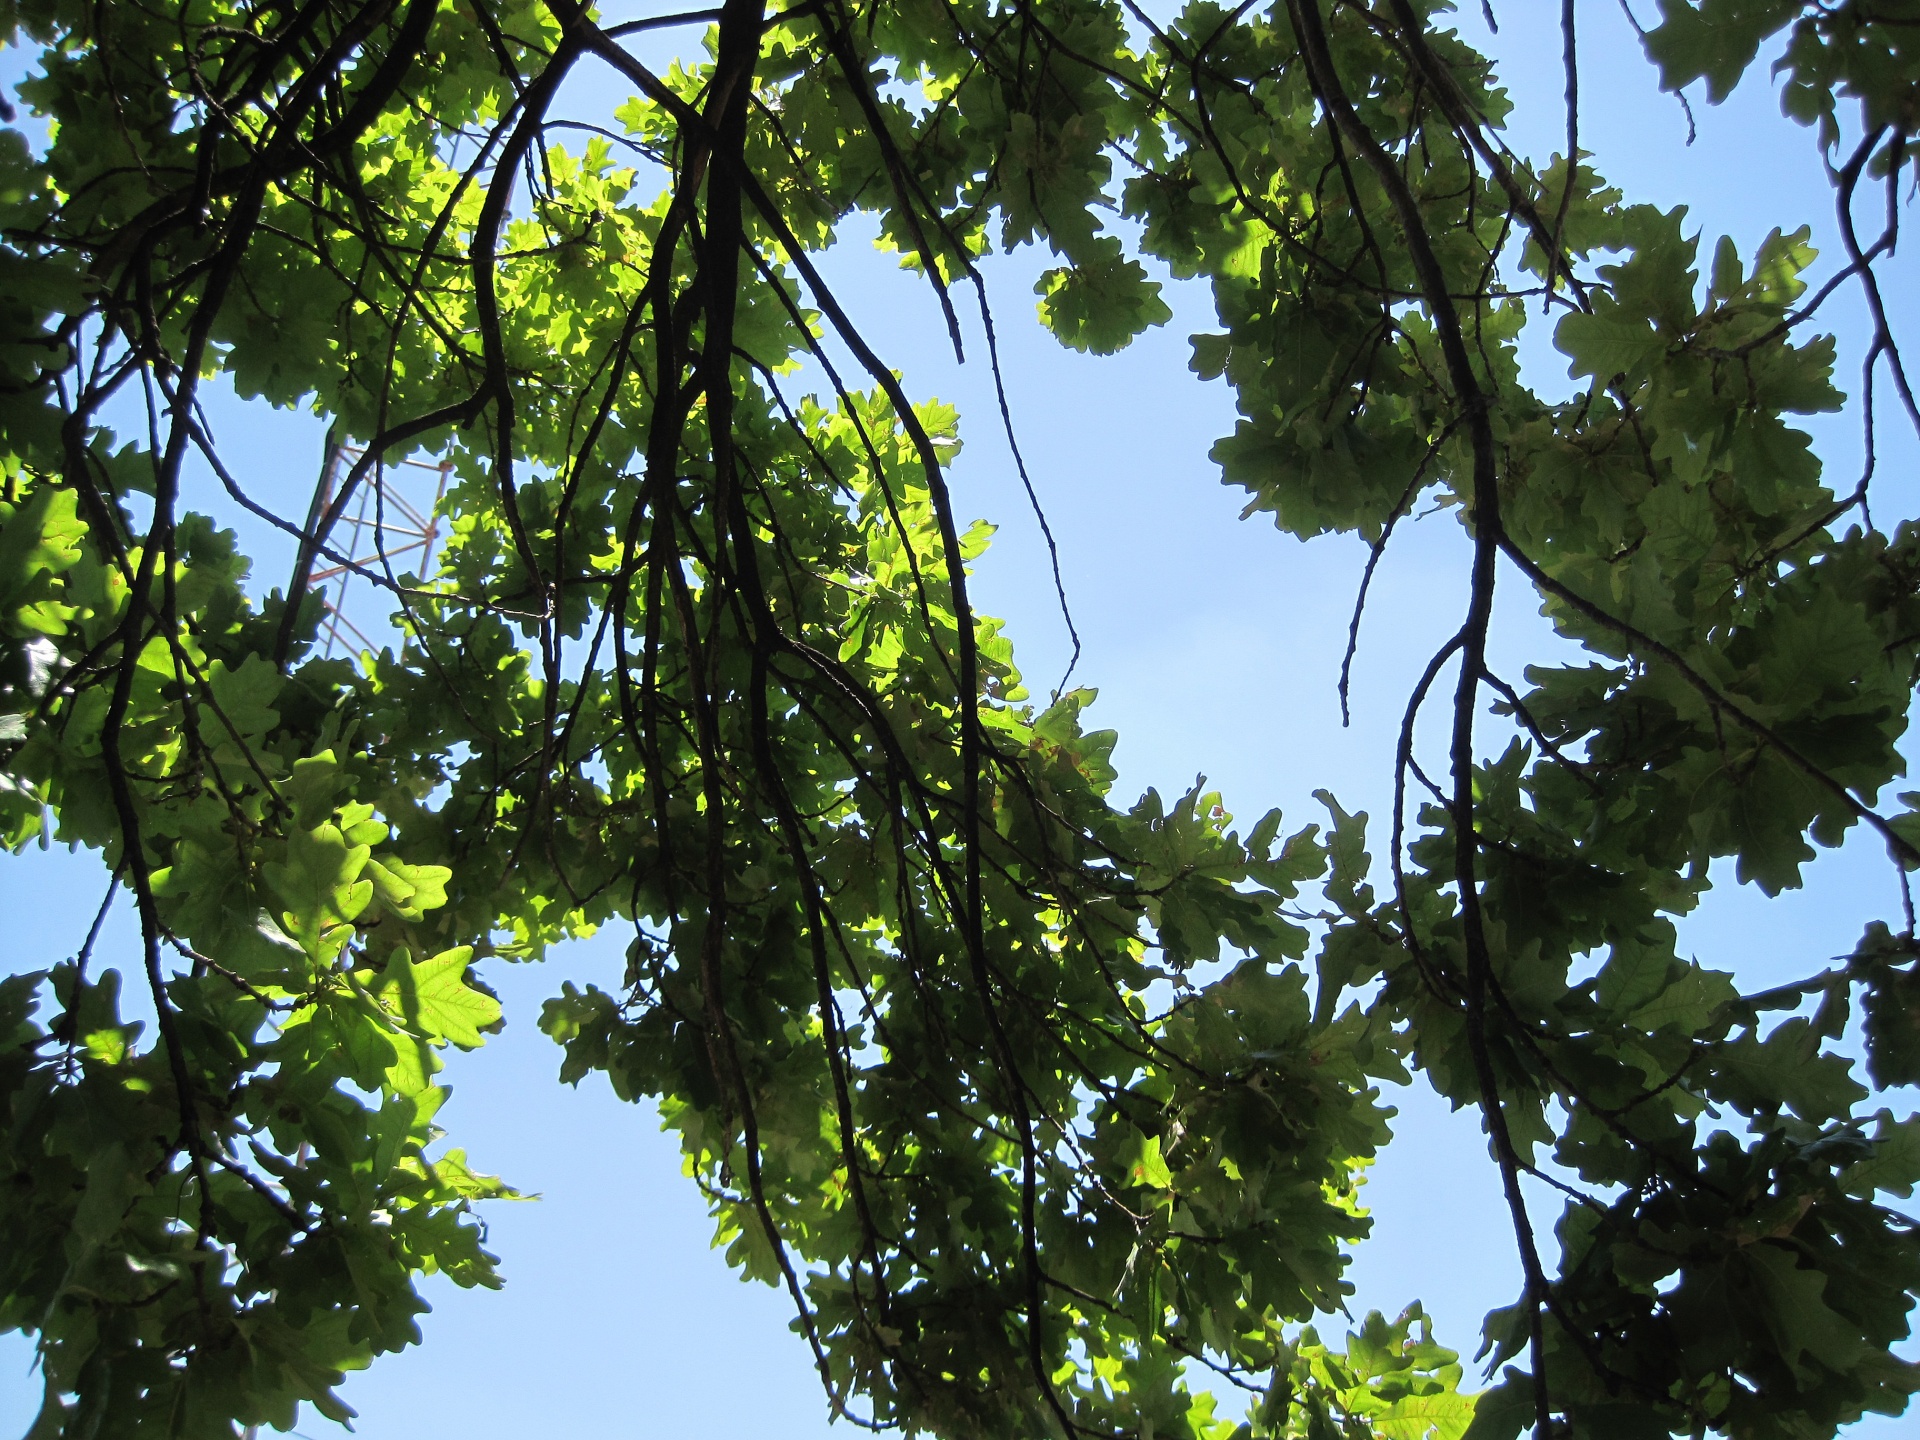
(384, 525)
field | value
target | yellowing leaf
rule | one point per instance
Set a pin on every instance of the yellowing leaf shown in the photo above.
(1443, 1416)
(1148, 1167)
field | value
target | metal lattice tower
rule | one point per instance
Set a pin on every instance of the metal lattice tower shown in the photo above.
(391, 519)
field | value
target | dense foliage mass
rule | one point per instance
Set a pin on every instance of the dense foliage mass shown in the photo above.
(1032, 1103)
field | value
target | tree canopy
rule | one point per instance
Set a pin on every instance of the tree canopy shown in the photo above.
(1038, 1105)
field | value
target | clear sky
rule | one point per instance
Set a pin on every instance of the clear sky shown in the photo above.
(1215, 644)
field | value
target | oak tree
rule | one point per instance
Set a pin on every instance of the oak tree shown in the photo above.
(1038, 1104)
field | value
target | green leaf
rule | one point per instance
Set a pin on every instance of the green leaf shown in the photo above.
(1637, 972)
(319, 882)
(1798, 1312)
(1894, 1166)
(408, 892)
(1713, 39)
(1608, 342)
(1101, 305)
(1688, 1003)
(39, 538)
(434, 999)
(244, 698)
(1502, 1412)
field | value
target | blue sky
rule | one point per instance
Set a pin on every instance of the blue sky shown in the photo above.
(1215, 644)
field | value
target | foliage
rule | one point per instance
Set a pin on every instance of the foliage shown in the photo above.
(1032, 1103)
